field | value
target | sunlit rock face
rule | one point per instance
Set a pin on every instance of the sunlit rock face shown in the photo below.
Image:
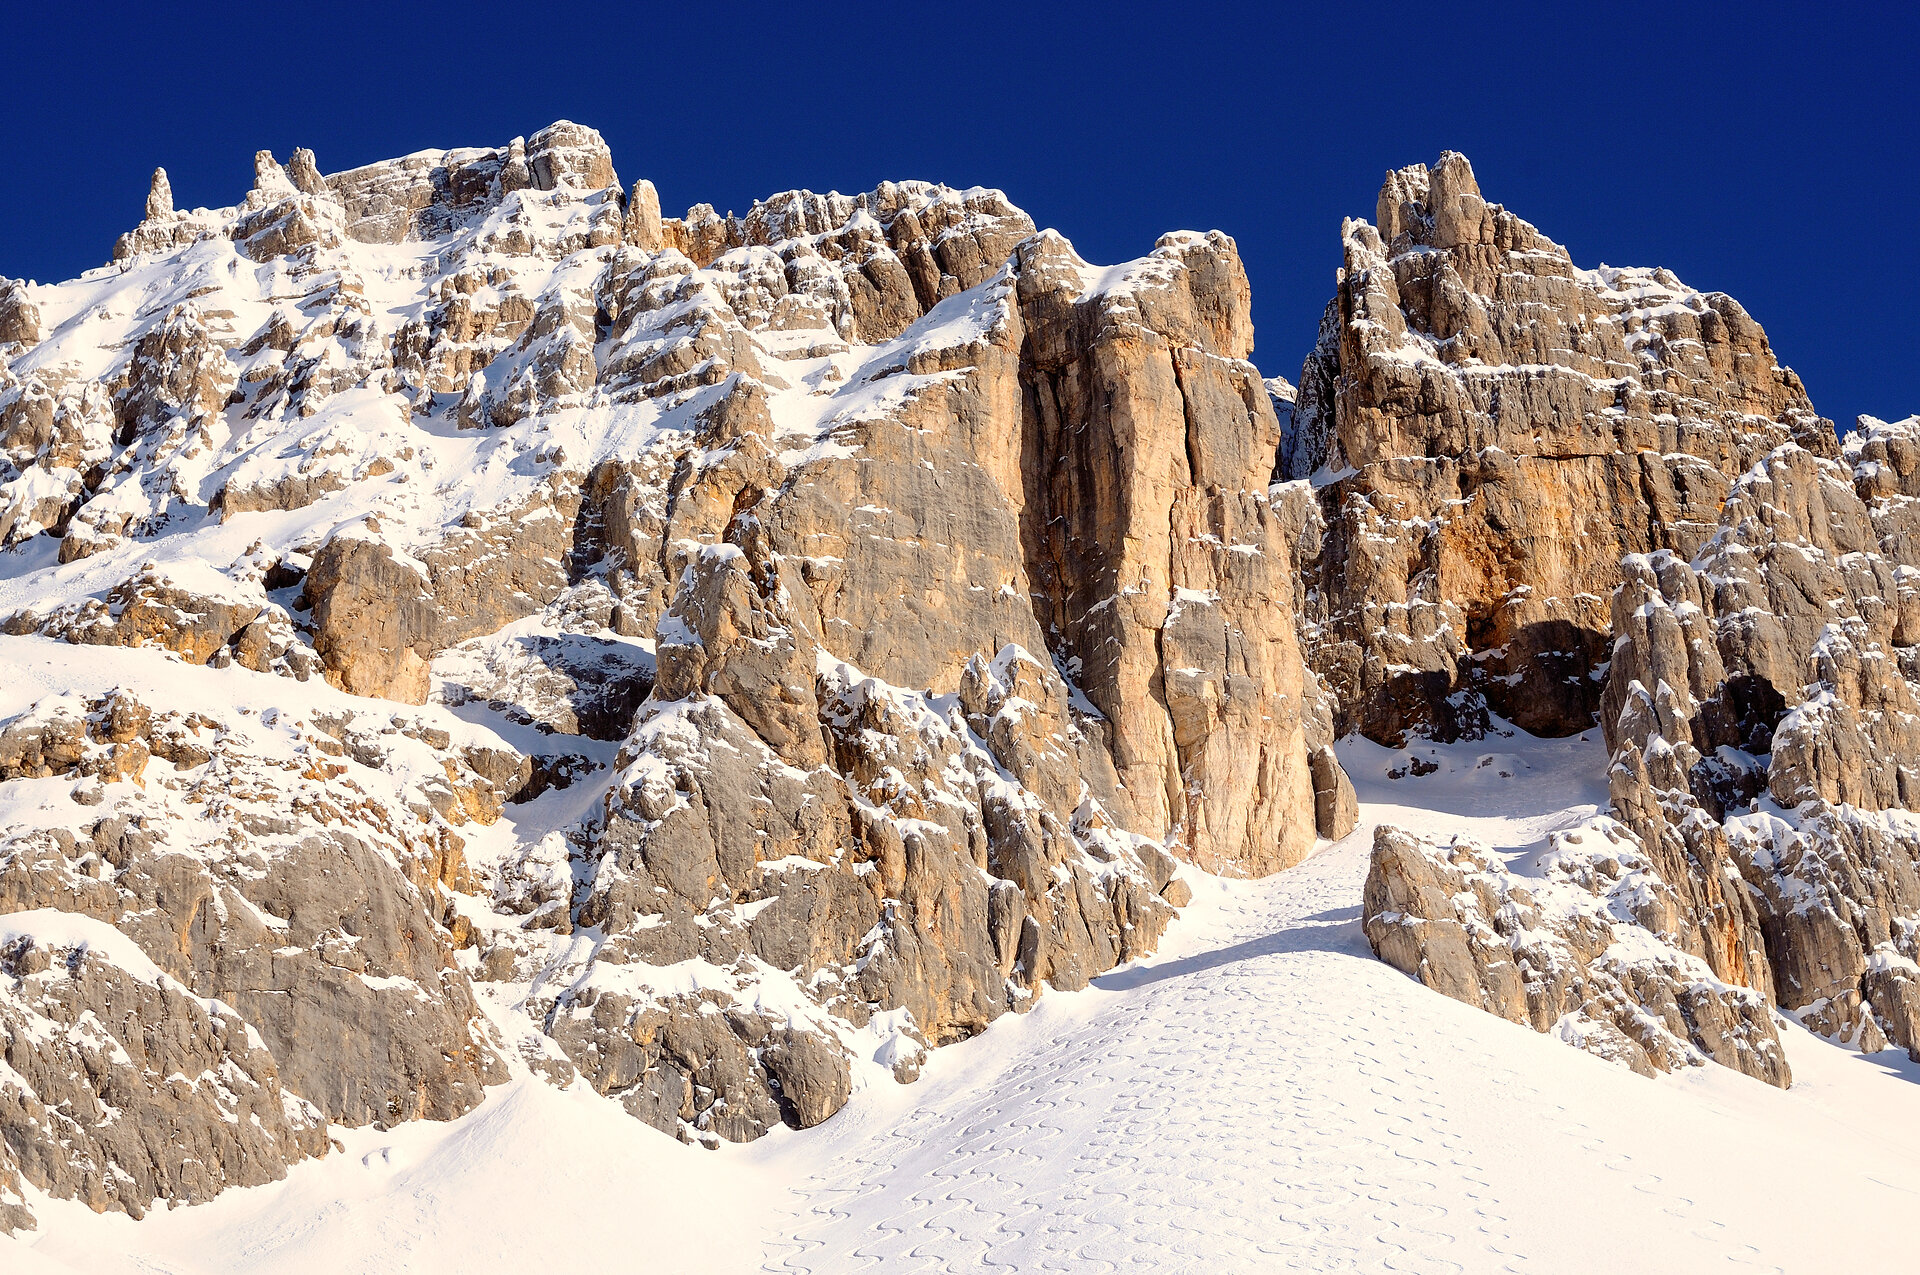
(471, 624)
(490, 624)
(1490, 429)
(1562, 497)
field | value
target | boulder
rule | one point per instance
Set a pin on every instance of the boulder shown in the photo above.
(1551, 950)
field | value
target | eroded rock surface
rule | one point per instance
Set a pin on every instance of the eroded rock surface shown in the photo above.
(124, 1087)
(831, 627)
(1580, 947)
(1553, 492)
(714, 659)
(1491, 428)
(1763, 717)
(1606, 459)
(263, 894)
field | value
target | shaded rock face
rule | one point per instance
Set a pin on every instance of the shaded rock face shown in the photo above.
(174, 1096)
(1578, 949)
(855, 612)
(1491, 429)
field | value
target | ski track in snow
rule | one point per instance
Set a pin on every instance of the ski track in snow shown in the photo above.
(1267, 1096)
(1261, 1096)
(1209, 1112)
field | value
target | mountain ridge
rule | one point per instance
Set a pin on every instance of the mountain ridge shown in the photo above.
(730, 656)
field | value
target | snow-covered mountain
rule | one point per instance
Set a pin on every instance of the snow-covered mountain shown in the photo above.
(482, 651)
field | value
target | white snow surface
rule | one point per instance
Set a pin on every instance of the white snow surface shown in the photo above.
(1261, 1095)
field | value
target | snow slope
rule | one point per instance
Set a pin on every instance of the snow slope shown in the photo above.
(1262, 1095)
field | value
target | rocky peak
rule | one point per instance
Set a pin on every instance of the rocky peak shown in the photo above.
(304, 172)
(901, 598)
(1471, 381)
(1438, 208)
(270, 181)
(569, 154)
(159, 196)
(643, 217)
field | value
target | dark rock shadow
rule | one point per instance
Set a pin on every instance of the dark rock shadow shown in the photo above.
(1336, 930)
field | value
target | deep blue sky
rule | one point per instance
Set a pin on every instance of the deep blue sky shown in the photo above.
(1764, 150)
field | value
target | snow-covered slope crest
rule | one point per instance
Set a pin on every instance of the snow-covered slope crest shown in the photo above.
(826, 628)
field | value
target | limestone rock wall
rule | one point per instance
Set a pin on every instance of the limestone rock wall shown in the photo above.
(257, 901)
(1762, 715)
(936, 771)
(1760, 708)
(1165, 575)
(1491, 428)
(855, 613)
(123, 1087)
(1553, 494)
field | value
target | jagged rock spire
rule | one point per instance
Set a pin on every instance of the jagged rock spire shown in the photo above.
(643, 216)
(515, 175)
(270, 181)
(159, 195)
(305, 173)
(1439, 207)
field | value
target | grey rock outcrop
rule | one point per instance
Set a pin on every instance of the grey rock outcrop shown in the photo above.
(159, 196)
(896, 599)
(19, 316)
(250, 916)
(238, 624)
(1336, 808)
(1573, 950)
(1762, 715)
(123, 1087)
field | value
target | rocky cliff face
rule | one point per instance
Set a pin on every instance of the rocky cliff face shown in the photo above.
(1763, 718)
(1760, 709)
(1553, 494)
(715, 658)
(468, 623)
(1490, 429)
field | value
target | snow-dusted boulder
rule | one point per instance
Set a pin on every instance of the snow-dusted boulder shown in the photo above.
(1579, 947)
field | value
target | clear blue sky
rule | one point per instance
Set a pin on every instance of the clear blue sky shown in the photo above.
(1764, 150)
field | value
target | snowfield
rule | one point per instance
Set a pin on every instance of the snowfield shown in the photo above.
(1262, 1095)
